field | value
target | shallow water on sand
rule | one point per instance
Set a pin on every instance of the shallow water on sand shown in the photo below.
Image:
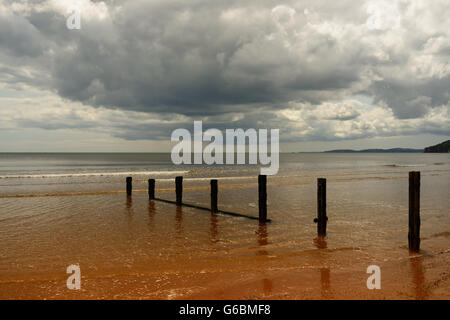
(58, 210)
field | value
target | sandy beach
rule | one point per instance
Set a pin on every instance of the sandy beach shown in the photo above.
(133, 248)
(419, 276)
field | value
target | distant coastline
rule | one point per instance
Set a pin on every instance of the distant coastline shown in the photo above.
(393, 150)
(443, 147)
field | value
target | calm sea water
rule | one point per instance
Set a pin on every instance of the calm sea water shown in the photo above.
(62, 209)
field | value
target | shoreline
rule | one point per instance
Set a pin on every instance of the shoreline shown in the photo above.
(421, 276)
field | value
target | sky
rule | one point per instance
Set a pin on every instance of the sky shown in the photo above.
(328, 74)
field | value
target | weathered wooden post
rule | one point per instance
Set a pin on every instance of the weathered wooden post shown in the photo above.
(322, 218)
(179, 190)
(214, 191)
(414, 211)
(129, 185)
(262, 192)
(151, 189)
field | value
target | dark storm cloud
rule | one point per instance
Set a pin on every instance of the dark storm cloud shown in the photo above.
(207, 58)
(187, 57)
(414, 98)
(20, 38)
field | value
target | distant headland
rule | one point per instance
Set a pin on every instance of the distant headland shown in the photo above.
(393, 150)
(443, 147)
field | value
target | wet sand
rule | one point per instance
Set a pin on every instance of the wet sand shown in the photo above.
(152, 250)
(133, 248)
(417, 277)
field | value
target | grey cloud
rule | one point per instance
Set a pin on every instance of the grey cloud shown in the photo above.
(413, 100)
(214, 58)
(187, 58)
(20, 38)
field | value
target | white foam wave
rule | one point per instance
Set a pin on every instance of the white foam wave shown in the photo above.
(91, 174)
(405, 165)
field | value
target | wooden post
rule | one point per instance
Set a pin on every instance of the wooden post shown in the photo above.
(414, 211)
(214, 191)
(262, 191)
(129, 185)
(322, 218)
(151, 189)
(179, 190)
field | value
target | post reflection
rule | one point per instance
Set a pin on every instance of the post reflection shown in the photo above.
(418, 276)
(129, 212)
(321, 244)
(213, 231)
(262, 239)
(267, 286)
(325, 283)
(129, 204)
(129, 207)
(179, 220)
(151, 214)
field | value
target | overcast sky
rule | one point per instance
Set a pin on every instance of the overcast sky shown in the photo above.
(328, 74)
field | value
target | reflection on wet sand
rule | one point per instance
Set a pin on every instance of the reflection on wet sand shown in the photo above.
(418, 277)
(262, 239)
(178, 221)
(129, 204)
(321, 243)
(151, 214)
(213, 228)
(129, 211)
(267, 286)
(325, 283)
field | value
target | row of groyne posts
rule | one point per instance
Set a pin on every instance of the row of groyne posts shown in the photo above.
(321, 220)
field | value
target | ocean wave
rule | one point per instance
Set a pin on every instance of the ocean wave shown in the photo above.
(405, 165)
(91, 174)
